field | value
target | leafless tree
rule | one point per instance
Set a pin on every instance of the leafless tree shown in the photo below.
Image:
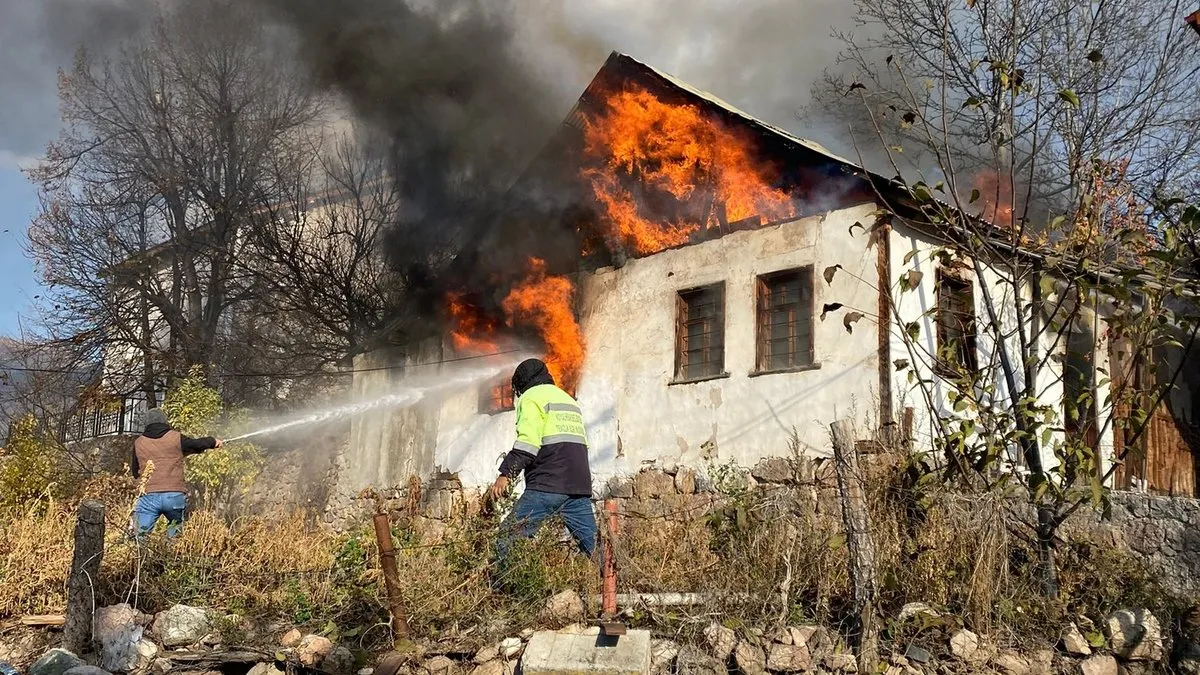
(1034, 142)
(165, 155)
(1130, 71)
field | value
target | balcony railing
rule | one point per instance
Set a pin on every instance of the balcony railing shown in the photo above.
(89, 423)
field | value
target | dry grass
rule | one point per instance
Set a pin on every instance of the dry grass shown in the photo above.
(763, 558)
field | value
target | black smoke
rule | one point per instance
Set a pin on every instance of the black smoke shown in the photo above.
(443, 85)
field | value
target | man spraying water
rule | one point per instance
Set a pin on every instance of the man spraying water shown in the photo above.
(161, 449)
(552, 449)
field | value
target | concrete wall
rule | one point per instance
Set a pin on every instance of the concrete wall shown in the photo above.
(635, 413)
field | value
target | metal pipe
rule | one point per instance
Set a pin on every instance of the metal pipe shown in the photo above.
(387, 560)
(671, 599)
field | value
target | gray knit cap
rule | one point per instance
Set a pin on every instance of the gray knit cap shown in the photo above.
(155, 416)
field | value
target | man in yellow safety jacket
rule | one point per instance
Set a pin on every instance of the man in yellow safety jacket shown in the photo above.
(552, 450)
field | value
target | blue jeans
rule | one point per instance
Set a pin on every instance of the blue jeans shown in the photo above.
(533, 508)
(171, 505)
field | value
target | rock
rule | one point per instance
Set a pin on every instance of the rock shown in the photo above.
(367, 671)
(721, 640)
(55, 662)
(1073, 642)
(291, 639)
(749, 659)
(181, 625)
(1011, 663)
(685, 481)
(563, 608)
(966, 647)
(486, 654)
(527, 633)
(339, 662)
(774, 470)
(510, 647)
(783, 636)
(160, 666)
(841, 663)
(87, 670)
(1135, 635)
(108, 623)
(1188, 666)
(693, 661)
(816, 638)
(313, 649)
(496, 667)
(653, 484)
(265, 669)
(1042, 662)
(917, 654)
(440, 665)
(914, 609)
(1100, 664)
(662, 656)
(789, 658)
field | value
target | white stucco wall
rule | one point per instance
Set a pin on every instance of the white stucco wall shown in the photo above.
(911, 250)
(635, 414)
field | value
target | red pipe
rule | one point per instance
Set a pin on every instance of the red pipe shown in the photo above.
(609, 594)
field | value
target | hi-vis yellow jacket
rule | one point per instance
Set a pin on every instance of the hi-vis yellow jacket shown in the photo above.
(552, 445)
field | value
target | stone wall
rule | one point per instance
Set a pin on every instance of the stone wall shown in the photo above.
(1163, 531)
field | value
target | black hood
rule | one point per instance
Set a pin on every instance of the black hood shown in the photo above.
(529, 374)
(156, 430)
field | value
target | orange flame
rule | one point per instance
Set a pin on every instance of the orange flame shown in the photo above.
(545, 303)
(676, 151)
(996, 196)
(471, 332)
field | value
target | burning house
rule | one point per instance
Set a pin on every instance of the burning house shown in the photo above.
(672, 253)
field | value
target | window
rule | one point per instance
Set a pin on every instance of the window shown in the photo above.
(785, 320)
(700, 333)
(497, 398)
(1079, 375)
(955, 323)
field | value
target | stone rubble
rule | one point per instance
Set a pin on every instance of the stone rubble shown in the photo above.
(1135, 635)
(181, 626)
(1074, 643)
(721, 641)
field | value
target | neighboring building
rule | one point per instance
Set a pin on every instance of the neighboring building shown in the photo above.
(716, 350)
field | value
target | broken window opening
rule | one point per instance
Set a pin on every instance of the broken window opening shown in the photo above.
(700, 333)
(497, 398)
(1079, 386)
(955, 324)
(785, 320)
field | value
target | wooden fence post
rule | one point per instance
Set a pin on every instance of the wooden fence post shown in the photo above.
(858, 541)
(85, 569)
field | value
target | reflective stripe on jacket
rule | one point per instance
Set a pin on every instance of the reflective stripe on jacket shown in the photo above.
(551, 445)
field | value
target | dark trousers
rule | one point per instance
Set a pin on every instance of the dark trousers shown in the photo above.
(533, 508)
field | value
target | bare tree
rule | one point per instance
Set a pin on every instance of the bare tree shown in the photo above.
(324, 284)
(165, 154)
(1062, 313)
(993, 74)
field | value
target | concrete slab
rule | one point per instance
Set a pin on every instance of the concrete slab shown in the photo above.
(554, 653)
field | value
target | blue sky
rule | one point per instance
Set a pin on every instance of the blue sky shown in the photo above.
(18, 283)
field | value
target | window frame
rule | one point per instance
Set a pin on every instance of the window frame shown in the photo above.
(958, 283)
(804, 357)
(496, 397)
(682, 323)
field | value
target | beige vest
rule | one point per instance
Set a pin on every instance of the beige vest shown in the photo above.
(162, 460)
